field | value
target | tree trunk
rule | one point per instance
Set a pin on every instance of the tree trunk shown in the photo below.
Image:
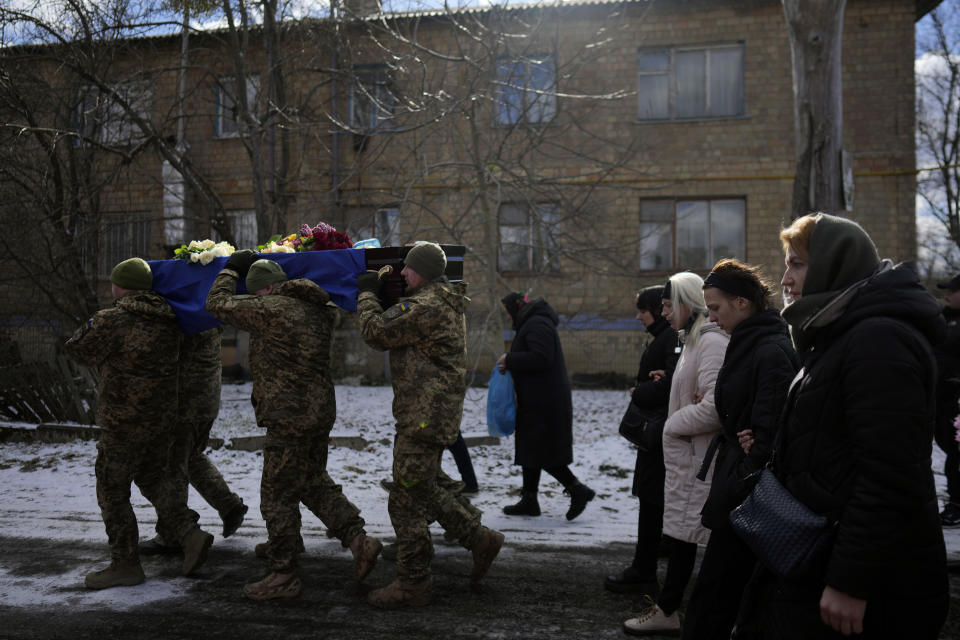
(816, 38)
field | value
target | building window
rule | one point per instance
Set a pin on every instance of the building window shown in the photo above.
(526, 90)
(372, 99)
(101, 117)
(691, 234)
(243, 228)
(526, 237)
(227, 123)
(382, 224)
(688, 82)
(120, 236)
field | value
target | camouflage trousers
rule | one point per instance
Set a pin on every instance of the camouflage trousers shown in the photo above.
(418, 499)
(295, 471)
(189, 465)
(125, 457)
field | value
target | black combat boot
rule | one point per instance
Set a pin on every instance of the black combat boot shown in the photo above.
(580, 495)
(528, 505)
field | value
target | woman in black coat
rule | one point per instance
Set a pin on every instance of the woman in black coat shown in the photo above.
(544, 435)
(750, 392)
(649, 392)
(855, 443)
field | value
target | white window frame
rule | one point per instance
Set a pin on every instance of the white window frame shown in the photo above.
(373, 100)
(527, 245)
(99, 117)
(662, 229)
(226, 123)
(526, 90)
(670, 79)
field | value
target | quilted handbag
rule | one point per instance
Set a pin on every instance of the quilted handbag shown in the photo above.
(642, 427)
(783, 533)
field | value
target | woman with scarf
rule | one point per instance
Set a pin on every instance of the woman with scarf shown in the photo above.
(855, 443)
(751, 389)
(691, 423)
(544, 435)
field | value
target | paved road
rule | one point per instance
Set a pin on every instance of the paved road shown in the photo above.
(531, 593)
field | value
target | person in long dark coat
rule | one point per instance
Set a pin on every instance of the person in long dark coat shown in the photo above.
(948, 392)
(649, 392)
(544, 435)
(855, 443)
(750, 392)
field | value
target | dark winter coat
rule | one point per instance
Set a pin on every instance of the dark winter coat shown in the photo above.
(856, 442)
(751, 391)
(544, 435)
(661, 354)
(948, 378)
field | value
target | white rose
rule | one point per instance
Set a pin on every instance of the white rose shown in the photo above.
(218, 252)
(287, 249)
(206, 244)
(206, 257)
(194, 245)
(194, 257)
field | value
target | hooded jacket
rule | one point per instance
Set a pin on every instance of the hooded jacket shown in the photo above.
(856, 434)
(426, 337)
(544, 435)
(135, 345)
(290, 333)
(691, 423)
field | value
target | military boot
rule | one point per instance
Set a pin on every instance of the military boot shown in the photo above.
(195, 548)
(118, 574)
(484, 551)
(401, 594)
(528, 505)
(232, 519)
(275, 585)
(365, 551)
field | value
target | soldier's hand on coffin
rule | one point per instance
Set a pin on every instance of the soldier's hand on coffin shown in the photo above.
(369, 281)
(240, 261)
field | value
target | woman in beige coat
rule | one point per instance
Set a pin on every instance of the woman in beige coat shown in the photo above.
(692, 421)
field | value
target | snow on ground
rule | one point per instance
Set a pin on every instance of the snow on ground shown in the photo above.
(48, 490)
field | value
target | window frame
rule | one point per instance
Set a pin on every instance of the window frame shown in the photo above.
(105, 121)
(541, 248)
(711, 256)
(544, 100)
(136, 240)
(231, 127)
(379, 97)
(672, 107)
(243, 227)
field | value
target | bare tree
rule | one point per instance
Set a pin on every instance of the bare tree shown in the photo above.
(938, 118)
(816, 36)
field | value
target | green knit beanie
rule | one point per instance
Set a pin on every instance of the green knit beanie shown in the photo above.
(264, 273)
(427, 259)
(132, 273)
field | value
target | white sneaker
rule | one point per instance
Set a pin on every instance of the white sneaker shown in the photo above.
(653, 621)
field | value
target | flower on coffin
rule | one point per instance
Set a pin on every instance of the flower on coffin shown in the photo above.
(203, 251)
(317, 238)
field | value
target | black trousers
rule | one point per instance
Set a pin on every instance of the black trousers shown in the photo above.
(945, 436)
(461, 455)
(531, 477)
(724, 572)
(683, 555)
(649, 527)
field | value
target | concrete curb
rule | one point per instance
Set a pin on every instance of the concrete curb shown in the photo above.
(61, 433)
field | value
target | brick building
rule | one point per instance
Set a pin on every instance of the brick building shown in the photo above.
(579, 150)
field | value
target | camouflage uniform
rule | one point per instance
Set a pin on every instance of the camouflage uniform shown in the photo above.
(197, 407)
(426, 337)
(293, 398)
(135, 345)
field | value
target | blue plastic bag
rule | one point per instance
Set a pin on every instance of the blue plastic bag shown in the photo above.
(501, 405)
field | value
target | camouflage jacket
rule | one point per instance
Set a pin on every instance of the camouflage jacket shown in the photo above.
(200, 376)
(290, 334)
(426, 337)
(135, 345)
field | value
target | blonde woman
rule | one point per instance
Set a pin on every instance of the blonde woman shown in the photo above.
(692, 421)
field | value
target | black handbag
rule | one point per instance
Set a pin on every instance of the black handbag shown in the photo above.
(783, 533)
(642, 427)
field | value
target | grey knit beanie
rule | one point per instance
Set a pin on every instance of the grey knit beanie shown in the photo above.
(427, 259)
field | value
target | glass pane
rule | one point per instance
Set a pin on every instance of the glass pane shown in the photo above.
(656, 210)
(693, 233)
(653, 97)
(728, 229)
(653, 61)
(388, 227)
(691, 84)
(514, 214)
(509, 91)
(243, 226)
(726, 82)
(656, 246)
(542, 98)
